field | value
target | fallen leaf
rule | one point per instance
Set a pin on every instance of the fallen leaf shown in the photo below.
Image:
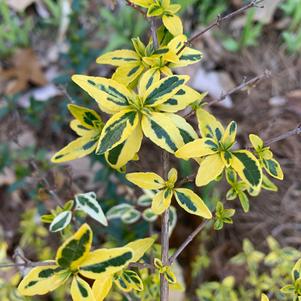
(25, 70)
(215, 83)
(19, 5)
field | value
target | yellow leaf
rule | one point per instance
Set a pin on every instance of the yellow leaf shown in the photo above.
(119, 58)
(197, 148)
(146, 180)
(139, 46)
(117, 129)
(105, 262)
(229, 135)
(268, 184)
(128, 280)
(161, 201)
(256, 142)
(78, 128)
(187, 132)
(192, 203)
(44, 279)
(173, 8)
(247, 167)
(160, 129)
(78, 148)
(273, 168)
(158, 264)
(150, 77)
(264, 297)
(128, 73)
(154, 10)
(209, 126)
(75, 249)
(101, 287)
(139, 247)
(143, 3)
(173, 24)
(80, 290)
(182, 99)
(159, 92)
(172, 177)
(87, 117)
(119, 156)
(111, 95)
(170, 276)
(210, 168)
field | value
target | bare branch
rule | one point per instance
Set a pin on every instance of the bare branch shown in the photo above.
(245, 84)
(164, 289)
(154, 33)
(142, 265)
(187, 241)
(46, 183)
(296, 131)
(220, 20)
(30, 264)
(27, 264)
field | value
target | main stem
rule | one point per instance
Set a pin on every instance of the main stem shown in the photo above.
(164, 289)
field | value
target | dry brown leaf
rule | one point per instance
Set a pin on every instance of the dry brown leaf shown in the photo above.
(19, 5)
(25, 70)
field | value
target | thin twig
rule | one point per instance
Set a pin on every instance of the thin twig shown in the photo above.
(27, 264)
(46, 183)
(245, 84)
(142, 265)
(296, 131)
(187, 241)
(136, 7)
(30, 264)
(219, 21)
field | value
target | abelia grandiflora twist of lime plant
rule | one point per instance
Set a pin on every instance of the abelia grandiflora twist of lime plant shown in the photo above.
(143, 98)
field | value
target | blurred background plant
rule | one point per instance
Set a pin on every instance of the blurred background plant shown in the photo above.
(45, 42)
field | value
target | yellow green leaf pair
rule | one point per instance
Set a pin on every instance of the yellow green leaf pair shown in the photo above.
(149, 112)
(186, 198)
(88, 125)
(214, 153)
(131, 64)
(165, 9)
(183, 56)
(271, 166)
(166, 271)
(74, 259)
